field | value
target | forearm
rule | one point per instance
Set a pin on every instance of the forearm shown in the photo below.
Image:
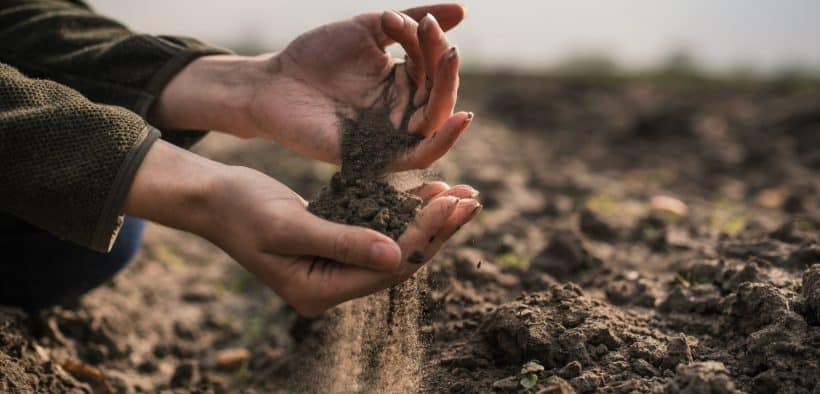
(173, 187)
(67, 162)
(212, 93)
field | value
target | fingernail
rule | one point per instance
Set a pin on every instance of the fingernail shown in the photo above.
(476, 211)
(469, 118)
(425, 22)
(452, 53)
(383, 252)
(473, 192)
(468, 204)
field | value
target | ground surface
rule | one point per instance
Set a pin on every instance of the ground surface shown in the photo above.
(637, 237)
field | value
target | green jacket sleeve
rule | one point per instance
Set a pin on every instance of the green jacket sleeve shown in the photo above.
(66, 42)
(67, 163)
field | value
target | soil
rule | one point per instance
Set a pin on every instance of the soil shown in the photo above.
(360, 193)
(637, 236)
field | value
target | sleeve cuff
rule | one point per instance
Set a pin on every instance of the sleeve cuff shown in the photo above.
(182, 52)
(111, 217)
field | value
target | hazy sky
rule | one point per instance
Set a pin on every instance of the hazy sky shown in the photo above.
(764, 34)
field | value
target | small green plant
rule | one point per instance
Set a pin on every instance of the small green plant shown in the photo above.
(529, 381)
(529, 374)
(728, 217)
(514, 260)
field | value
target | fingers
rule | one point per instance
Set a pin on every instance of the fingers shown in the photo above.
(427, 224)
(433, 44)
(311, 290)
(434, 189)
(442, 96)
(313, 236)
(460, 191)
(433, 147)
(448, 15)
(466, 210)
(429, 190)
(404, 30)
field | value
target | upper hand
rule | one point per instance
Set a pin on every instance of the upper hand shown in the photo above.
(339, 67)
(296, 96)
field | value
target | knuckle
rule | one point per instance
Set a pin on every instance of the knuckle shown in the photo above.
(343, 247)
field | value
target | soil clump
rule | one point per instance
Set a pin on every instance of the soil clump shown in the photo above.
(360, 193)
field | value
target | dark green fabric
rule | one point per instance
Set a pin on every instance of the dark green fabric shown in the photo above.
(67, 162)
(66, 42)
(74, 92)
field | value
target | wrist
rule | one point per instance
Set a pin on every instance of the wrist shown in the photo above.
(211, 93)
(176, 188)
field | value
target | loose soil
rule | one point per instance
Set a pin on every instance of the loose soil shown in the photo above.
(574, 263)
(360, 194)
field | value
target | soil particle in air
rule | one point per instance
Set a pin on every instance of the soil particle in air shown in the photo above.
(360, 194)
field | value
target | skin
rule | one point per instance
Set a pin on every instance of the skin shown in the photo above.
(293, 97)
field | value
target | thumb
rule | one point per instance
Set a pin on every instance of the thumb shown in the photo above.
(346, 244)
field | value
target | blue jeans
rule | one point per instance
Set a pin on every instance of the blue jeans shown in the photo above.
(39, 270)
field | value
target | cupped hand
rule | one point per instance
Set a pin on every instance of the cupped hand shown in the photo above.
(337, 68)
(314, 264)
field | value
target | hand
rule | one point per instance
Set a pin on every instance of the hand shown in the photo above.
(266, 227)
(295, 96)
(314, 264)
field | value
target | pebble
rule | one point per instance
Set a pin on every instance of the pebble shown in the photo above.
(232, 358)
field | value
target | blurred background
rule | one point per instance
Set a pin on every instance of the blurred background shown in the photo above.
(757, 37)
(662, 156)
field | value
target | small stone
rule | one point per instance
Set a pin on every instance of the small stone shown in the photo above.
(232, 358)
(667, 205)
(531, 367)
(571, 370)
(88, 374)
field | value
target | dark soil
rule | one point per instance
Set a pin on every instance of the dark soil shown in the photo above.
(359, 194)
(572, 264)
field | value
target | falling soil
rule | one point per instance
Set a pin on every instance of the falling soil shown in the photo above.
(366, 339)
(579, 271)
(360, 194)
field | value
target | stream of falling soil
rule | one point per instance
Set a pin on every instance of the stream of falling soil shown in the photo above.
(375, 345)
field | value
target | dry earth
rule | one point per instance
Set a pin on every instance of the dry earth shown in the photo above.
(637, 236)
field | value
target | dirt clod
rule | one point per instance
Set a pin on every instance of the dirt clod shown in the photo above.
(811, 293)
(702, 377)
(734, 280)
